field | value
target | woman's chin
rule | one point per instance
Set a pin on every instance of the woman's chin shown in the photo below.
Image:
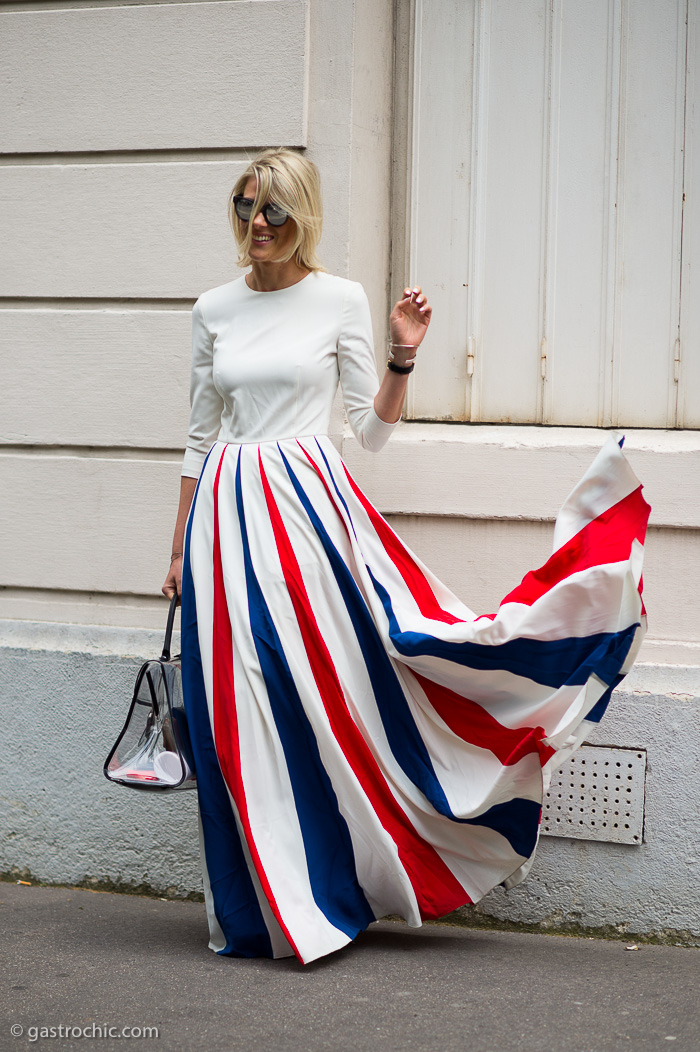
(263, 258)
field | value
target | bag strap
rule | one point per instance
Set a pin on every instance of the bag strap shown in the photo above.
(165, 656)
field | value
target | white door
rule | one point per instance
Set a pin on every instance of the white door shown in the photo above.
(553, 220)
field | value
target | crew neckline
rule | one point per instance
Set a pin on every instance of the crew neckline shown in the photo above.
(273, 292)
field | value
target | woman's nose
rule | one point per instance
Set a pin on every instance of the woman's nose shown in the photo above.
(260, 220)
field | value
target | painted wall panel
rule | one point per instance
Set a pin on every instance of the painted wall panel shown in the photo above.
(520, 473)
(63, 607)
(116, 230)
(440, 203)
(95, 377)
(649, 213)
(507, 363)
(578, 307)
(689, 349)
(154, 76)
(370, 189)
(109, 519)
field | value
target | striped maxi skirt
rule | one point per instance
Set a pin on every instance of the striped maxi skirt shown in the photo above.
(364, 743)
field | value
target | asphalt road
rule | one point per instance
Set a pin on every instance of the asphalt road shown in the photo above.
(75, 958)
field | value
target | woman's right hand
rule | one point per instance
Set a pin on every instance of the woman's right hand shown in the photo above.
(173, 582)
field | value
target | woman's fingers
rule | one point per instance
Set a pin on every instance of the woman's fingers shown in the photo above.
(417, 297)
(410, 317)
(172, 584)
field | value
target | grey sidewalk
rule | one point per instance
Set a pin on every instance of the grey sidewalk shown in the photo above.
(77, 957)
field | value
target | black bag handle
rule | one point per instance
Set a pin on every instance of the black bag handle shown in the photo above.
(165, 656)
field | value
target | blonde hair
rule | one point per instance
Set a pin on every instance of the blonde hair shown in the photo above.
(293, 183)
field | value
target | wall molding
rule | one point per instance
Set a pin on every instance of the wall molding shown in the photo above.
(497, 471)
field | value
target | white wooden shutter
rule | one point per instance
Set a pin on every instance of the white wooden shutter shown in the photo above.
(547, 211)
(688, 367)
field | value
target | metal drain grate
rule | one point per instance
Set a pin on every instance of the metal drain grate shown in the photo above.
(598, 795)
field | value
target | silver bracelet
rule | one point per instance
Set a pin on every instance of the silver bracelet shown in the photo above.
(409, 361)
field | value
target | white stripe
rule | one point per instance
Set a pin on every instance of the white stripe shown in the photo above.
(599, 599)
(472, 777)
(608, 480)
(272, 814)
(482, 630)
(370, 550)
(606, 599)
(278, 940)
(217, 939)
(380, 871)
(201, 561)
(484, 686)
(478, 857)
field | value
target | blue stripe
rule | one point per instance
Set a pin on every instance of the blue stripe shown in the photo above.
(335, 486)
(235, 902)
(402, 733)
(598, 711)
(327, 844)
(516, 820)
(551, 662)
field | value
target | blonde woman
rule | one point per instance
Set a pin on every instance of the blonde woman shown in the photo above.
(364, 745)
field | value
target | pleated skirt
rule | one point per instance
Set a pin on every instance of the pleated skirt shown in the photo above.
(364, 743)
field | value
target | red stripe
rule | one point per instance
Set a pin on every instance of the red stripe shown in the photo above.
(415, 579)
(225, 718)
(437, 889)
(467, 719)
(607, 539)
(326, 486)
(476, 726)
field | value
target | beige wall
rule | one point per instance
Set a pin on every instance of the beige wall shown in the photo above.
(468, 188)
(123, 129)
(477, 504)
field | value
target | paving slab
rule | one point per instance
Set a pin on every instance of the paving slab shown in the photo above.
(79, 959)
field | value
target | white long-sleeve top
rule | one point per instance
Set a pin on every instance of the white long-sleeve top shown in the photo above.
(266, 365)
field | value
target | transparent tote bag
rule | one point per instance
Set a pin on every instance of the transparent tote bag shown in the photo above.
(153, 750)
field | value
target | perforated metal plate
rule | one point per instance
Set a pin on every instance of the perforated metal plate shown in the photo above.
(598, 795)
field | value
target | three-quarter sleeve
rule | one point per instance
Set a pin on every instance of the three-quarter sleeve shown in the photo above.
(206, 404)
(358, 371)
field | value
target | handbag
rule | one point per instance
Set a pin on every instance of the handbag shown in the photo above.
(153, 750)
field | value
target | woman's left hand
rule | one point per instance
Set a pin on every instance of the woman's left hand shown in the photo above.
(410, 317)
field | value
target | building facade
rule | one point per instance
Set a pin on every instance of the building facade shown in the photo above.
(535, 166)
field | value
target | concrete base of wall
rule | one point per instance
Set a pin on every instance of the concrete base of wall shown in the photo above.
(648, 889)
(64, 823)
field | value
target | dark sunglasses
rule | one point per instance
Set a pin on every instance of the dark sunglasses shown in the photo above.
(274, 215)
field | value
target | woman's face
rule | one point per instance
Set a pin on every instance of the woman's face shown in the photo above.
(269, 243)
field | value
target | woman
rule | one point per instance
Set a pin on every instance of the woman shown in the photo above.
(364, 744)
